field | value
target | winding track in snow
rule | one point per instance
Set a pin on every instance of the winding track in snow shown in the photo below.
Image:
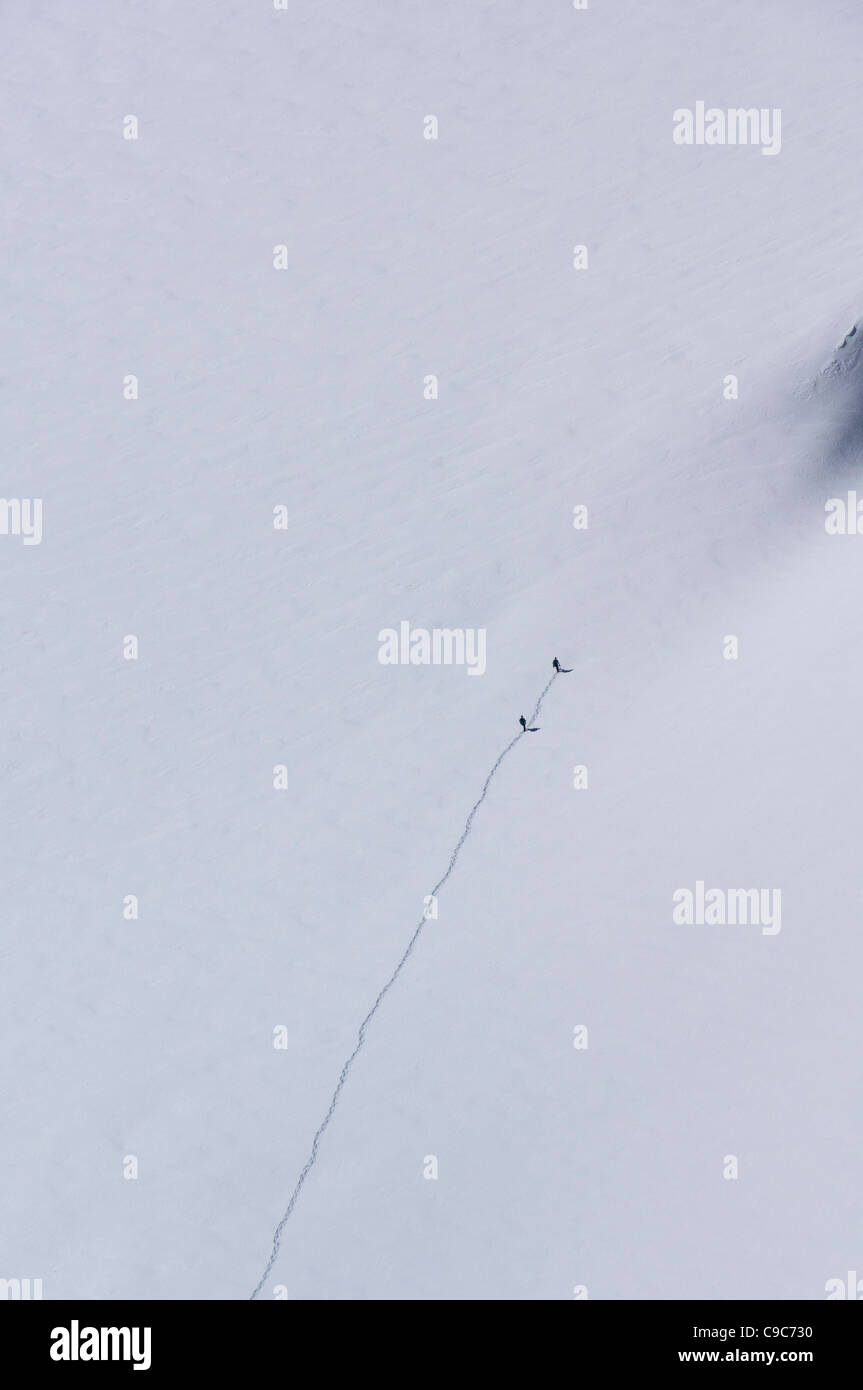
(361, 1035)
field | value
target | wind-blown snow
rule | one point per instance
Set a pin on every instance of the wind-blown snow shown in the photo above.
(558, 1167)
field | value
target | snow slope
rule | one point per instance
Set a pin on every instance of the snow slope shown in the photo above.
(558, 1167)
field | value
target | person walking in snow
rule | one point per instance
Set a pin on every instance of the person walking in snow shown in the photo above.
(561, 670)
(523, 722)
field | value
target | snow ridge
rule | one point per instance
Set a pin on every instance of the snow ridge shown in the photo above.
(361, 1035)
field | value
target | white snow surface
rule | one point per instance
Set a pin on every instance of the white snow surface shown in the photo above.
(557, 1166)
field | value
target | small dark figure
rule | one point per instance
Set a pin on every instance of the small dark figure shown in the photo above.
(528, 728)
(523, 722)
(561, 670)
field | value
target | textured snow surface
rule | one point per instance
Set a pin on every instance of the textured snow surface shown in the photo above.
(258, 387)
